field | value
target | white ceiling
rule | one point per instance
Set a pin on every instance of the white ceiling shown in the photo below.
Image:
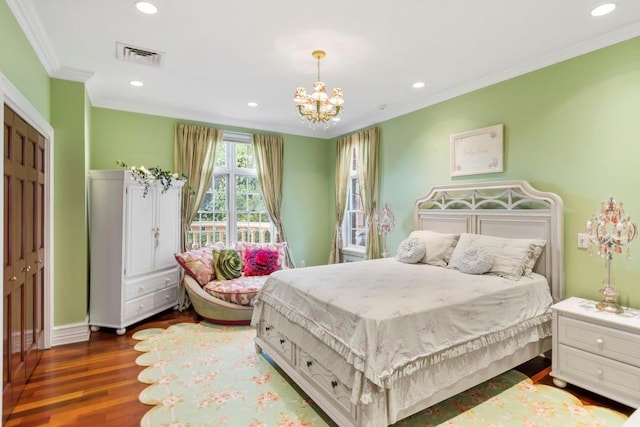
(219, 55)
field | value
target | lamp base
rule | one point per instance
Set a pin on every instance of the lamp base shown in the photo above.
(609, 307)
(608, 304)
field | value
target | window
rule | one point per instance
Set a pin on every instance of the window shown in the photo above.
(354, 226)
(233, 209)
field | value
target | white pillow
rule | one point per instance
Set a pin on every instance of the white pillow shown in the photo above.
(438, 246)
(476, 260)
(513, 257)
(411, 250)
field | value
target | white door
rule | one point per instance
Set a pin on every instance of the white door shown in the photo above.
(140, 232)
(168, 228)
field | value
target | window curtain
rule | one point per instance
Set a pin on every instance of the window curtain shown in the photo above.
(344, 148)
(194, 155)
(269, 152)
(367, 152)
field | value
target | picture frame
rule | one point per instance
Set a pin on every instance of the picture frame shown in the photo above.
(477, 151)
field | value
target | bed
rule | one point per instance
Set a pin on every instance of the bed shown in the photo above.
(374, 342)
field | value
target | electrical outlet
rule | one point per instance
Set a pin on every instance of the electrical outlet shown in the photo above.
(583, 240)
(302, 263)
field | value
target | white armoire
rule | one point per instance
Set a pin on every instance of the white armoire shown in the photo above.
(133, 239)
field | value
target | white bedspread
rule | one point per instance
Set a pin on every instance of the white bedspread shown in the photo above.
(388, 319)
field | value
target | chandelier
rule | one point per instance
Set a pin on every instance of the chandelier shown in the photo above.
(318, 108)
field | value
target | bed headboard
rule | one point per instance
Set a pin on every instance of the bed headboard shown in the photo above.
(512, 209)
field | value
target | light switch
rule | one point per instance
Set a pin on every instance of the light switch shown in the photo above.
(583, 240)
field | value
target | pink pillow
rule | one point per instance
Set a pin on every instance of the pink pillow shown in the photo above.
(260, 262)
(197, 263)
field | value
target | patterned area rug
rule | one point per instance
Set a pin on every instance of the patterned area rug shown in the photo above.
(206, 375)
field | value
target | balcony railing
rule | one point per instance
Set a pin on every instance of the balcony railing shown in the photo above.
(205, 233)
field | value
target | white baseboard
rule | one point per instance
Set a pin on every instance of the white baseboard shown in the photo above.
(69, 334)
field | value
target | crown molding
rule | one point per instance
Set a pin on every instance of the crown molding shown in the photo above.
(587, 46)
(31, 25)
(200, 116)
(73, 74)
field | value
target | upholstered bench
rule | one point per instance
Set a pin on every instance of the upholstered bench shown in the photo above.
(221, 282)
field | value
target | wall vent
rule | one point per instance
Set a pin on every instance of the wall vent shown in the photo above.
(138, 55)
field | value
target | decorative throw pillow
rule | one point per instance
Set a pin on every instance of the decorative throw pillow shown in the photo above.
(227, 264)
(260, 262)
(476, 260)
(513, 257)
(281, 247)
(438, 246)
(411, 250)
(198, 263)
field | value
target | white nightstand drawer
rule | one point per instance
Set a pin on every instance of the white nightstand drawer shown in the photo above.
(617, 380)
(607, 342)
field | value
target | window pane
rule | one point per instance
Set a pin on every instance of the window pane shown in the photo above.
(221, 161)
(244, 156)
(210, 224)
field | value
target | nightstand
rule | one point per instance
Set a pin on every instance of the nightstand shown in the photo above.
(597, 351)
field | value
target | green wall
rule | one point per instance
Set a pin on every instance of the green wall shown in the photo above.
(140, 139)
(20, 64)
(68, 112)
(571, 128)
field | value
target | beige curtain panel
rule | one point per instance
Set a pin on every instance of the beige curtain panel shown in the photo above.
(269, 152)
(344, 148)
(194, 155)
(367, 146)
(367, 153)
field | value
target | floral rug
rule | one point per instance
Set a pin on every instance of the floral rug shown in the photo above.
(205, 375)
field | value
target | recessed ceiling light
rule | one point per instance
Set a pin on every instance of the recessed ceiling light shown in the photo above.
(252, 104)
(418, 85)
(603, 9)
(136, 83)
(146, 7)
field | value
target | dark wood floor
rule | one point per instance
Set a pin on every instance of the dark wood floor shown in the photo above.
(95, 383)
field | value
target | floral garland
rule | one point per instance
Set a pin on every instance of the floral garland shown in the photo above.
(147, 177)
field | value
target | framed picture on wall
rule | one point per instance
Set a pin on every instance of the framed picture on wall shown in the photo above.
(477, 151)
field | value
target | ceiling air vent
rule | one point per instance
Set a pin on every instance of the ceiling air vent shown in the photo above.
(138, 55)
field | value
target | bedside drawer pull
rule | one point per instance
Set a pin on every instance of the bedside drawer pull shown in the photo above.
(267, 328)
(309, 363)
(334, 383)
(281, 341)
(599, 341)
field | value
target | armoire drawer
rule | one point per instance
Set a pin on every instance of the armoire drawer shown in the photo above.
(150, 284)
(150, 303)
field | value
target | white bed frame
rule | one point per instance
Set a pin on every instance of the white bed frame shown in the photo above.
(510, 209)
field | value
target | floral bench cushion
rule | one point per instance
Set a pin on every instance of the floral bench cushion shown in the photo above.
(240, 290)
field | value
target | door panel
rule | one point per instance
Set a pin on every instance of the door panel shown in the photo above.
(23, 279)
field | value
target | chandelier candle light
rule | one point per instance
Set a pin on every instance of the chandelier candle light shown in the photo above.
(386, 222)
(610, 230)
(318, 108)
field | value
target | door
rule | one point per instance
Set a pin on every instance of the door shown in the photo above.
(23, 273)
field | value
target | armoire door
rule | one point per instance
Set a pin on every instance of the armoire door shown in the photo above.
(167, 234)
(139, 232)
(23, 278)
